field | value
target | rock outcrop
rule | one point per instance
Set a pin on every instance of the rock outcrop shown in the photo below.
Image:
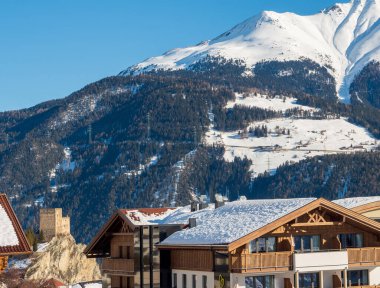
(63, 259)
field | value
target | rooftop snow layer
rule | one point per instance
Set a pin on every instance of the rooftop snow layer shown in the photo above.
(154, 216)
(148, 216)
(8, 236)
(356, 201)
(234, 220)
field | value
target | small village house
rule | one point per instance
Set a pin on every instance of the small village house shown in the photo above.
(12, 238)
(298, 243)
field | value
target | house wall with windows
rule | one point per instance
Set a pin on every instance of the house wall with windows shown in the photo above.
(203, 279)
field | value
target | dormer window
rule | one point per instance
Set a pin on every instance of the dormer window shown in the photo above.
(262, 244)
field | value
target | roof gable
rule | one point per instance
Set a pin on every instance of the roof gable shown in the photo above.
(234, 225)
(333, 207)
(12, 237)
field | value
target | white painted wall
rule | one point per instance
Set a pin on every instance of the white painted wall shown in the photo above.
(374, 276)
(320, 261)
(328, 278)
(189, 278)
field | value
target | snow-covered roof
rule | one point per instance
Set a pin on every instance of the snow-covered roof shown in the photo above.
(7, 231)
(12, 238)
(356, 201)
(232, 221)
(148, 216)
(164, 216)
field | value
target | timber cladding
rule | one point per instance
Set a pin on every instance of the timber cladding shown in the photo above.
(3, 263)
(191, 259)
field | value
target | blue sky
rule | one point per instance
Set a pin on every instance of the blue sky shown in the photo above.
(49, 49)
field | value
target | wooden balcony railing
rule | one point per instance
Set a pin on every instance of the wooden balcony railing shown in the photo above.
(365, 286)
(262, 262)
(358, 257)
(118, 266)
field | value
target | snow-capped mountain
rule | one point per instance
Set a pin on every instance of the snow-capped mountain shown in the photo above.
(343, 38)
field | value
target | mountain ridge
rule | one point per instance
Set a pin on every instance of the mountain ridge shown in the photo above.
(342, 38)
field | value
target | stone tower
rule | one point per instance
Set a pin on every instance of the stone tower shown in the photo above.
(53, 224)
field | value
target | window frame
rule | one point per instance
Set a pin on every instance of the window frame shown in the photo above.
(194, 281)
(184, 281)
(365, 283)
(266, 243)
(301, 278)
(204, 281)
(311, 243)
(175, 280)
(268, 281)
(343, 244)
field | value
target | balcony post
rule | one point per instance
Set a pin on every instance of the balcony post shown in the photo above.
(321, 284)
(297, 280)
(345, 278)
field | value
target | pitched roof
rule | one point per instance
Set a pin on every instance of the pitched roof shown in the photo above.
(355, 202)
(12, 237)
(241, 221)
(235, 220)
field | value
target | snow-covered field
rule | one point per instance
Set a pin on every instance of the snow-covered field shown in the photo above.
(303, 138)
(278, 103)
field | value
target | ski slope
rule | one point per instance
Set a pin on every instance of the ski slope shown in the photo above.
(343, 38)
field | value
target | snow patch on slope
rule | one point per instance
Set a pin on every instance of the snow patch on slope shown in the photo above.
(304, 138)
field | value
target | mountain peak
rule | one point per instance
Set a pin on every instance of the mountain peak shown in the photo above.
(343, 38)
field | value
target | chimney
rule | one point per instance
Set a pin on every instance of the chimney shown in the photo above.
(203, 202)
(194, 206)
(192, 222)
(219, 201)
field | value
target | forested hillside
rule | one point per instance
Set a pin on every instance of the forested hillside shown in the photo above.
(133, 141)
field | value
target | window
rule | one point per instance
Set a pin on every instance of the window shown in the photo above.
(307, 243)
(204, 281)
(175, 285)
(309, 280)
(351, 240)
(357, 278)
(263, 244)
(184, 281)
(259, 282)
(194, 281)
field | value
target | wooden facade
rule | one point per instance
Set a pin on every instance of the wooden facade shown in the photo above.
(130, 257)
(192, 259)
(3, 263)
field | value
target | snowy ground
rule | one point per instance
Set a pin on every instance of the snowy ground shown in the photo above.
(307, 138)
(277, 103)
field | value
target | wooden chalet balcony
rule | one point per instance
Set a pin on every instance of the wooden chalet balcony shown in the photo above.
(262, 262)
(359, 257)
(117, 266)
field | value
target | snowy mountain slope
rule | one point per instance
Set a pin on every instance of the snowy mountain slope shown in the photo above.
(343, 38)
(289, 139)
